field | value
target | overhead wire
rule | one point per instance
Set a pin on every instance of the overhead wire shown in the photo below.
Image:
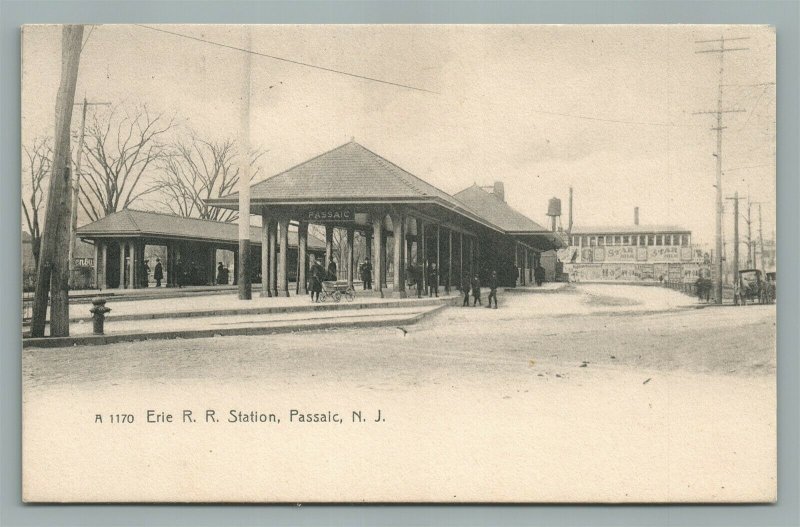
(284, 59)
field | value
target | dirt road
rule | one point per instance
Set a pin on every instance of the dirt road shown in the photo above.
(600, 393)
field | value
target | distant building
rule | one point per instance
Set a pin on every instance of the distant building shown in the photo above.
(632, 253)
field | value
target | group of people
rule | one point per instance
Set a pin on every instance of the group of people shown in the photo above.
(474, 286)
(317, 275)
(431, 282)
(158, 273)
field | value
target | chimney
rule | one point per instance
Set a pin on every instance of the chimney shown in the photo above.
(499, 190)
(636, 215)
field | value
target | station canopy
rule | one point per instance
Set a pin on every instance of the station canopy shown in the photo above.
(129, 223)
(354, 175)
(513, 222)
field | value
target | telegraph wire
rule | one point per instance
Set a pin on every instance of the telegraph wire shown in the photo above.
(283, 59)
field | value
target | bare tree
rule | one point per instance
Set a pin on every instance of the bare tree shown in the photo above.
(37, 169)
(121, 147)
(196, 170)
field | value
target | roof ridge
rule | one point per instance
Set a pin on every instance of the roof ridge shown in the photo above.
(173, 215)
(299, 164)
(132, 220)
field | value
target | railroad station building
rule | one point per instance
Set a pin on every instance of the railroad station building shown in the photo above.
(405, 220)
(190, 248)
(405, 223)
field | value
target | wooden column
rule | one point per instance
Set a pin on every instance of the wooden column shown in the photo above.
(236, 263)
(104, 265)
(449, 261)
(398, 226)
(328, 246)
(377, 253)
(350, 242)
(265, 254)
(302, 258)
(422, 259)
(272, 233)
(283, 275)
(97, 252)
(461, 259)
(438, 258)
(122, 266)
(133, 282)
(471, 258)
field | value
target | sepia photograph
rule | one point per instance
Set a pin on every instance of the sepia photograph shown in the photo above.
(398, 263)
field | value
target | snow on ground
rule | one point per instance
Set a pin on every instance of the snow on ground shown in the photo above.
(590, 395)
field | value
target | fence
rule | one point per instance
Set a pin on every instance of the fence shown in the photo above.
(689, 288)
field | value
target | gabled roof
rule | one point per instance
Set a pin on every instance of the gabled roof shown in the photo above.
(497, 211)
(349, 173)
(129, 222)
(630, 229)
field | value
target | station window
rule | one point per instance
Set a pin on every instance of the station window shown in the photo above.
(685, 240)
(586, 241)
(626, 240)
(651, 239)
(659, 240)
(668, 239)
(601, 240)
(617, 240)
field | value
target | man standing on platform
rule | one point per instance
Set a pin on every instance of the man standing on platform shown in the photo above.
(492, 290)
(366, 275)
(433, 280)
(332, 270)
(158, 272)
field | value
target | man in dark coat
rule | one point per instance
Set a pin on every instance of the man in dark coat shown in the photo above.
(221, 278)
(317, 276)
(465, 289)
(493, 289)
(538, 275)
(331, 270)
(433, 280)
(476, 291)
(366, 275)
(158, 272)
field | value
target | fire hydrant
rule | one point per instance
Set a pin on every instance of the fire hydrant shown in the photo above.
(99, 314)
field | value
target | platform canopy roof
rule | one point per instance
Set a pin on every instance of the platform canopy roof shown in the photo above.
(136, 223)
(349, 174)
(510, 220)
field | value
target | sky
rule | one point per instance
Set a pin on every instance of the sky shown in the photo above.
(608, 110)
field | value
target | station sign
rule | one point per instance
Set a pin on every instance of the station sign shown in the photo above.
(83, 262)
(330, 215)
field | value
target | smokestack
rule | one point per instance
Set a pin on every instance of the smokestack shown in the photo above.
(569, 225)
(499, 190)
(636, 215)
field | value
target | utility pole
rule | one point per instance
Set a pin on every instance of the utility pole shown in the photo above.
(735, 248)
(76, 186)
(761, 240)
(245, 287)
(718, 113)
(750, 255)
(52, 274)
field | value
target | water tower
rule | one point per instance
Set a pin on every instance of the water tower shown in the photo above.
(554, 211)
